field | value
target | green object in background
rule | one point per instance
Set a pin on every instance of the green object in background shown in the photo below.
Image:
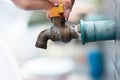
(38, 17)
(97, 2)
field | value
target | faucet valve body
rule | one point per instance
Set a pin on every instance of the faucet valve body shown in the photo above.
(63, 34)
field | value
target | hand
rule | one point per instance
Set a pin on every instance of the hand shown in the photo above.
(44, 5)
(80, 9)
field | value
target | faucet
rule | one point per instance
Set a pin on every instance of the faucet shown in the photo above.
(58, 32)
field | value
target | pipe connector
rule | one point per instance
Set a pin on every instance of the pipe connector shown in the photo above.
(92, 31)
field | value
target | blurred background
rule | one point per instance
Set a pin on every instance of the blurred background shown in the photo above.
(19, 30)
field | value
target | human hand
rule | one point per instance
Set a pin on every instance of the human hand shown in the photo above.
(44, 5)
(81, 9)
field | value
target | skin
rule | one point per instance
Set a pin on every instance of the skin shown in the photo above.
(74, 9)
(44, 5)
(81, 9)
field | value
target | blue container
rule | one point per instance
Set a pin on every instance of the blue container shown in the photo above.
(97, 30)
(96, 64)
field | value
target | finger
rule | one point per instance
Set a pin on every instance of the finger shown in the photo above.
(41, 4)
(33, 4)
(67, 7)
(67, 13)
(48, 14)
(67, 4)
(80, 9)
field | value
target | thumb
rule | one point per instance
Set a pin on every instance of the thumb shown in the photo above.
(67, 7)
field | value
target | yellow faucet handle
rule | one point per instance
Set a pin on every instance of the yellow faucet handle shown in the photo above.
(61, 8)
(56, 11)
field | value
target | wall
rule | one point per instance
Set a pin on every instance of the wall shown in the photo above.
(112, 10)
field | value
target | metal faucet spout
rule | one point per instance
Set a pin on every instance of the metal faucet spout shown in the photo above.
(42, 39)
